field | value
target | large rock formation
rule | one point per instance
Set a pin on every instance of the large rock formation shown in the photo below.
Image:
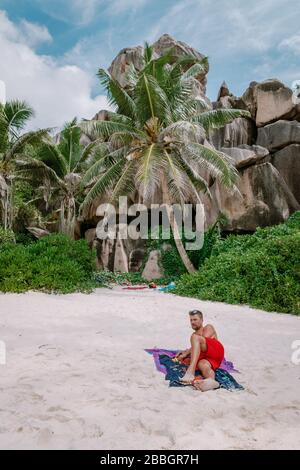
(133, 56)
(264, 149)
(287, 162)
(269, 101)
(264, 199)
(241, 131)
(278, 135)
(245, 155)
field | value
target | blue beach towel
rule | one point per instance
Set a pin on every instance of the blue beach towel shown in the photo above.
(174, 372)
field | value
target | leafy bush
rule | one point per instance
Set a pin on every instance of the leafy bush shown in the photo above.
(52, 264)
(6, 236)
(261, 270)
(171, 262)
(104, 278)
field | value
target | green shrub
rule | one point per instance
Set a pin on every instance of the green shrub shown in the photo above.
(6, 236)
(171, 262)
(261, 270)
(52, 264)
(104, 278)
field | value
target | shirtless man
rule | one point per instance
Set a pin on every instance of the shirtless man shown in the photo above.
(206, 354)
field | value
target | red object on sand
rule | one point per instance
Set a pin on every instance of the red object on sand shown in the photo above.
(135, 287)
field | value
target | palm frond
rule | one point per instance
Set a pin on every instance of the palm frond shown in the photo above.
(217, 163)
(104, 161)
(33, 167)
(104, 182)
(89, 150)
(182, 132)
(125, 183)
(150, 165)
(179, 185)
(30, 138)
(148, 51)
(117, 96)
(151, 100)
(217, 118)
(16, 114)
(199, 68)
(116, 117)
(105, 129)
(51, 156)
(193, 170)
(185, 62)
(69, 145)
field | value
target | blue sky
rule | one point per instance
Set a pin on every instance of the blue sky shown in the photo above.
(51, 49)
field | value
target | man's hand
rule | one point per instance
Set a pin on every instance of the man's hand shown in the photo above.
(182, 355)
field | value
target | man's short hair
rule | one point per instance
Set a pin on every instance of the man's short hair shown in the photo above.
(196, 312)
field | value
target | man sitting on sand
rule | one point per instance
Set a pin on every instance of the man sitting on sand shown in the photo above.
(206, 354)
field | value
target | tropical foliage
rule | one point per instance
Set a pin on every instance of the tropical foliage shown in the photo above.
(14, 116)
(59, 168)
(155, 141)
(260, 270)
(52, 264)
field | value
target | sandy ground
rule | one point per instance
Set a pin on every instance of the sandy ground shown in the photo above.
(76, 375)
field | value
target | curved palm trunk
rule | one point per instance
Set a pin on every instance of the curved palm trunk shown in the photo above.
(6, 192)
(67, 216)
(174, 226)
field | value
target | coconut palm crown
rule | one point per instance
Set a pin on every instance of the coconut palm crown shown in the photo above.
(157, 137)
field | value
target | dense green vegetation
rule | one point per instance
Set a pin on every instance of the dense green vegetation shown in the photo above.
(52, 264)
(170, 260)
(152, 143)
(261, 270)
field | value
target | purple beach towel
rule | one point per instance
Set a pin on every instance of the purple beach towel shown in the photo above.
(155, 352)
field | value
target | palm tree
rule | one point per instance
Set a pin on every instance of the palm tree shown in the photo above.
(59, 168)
(14, 116)
(156, 138)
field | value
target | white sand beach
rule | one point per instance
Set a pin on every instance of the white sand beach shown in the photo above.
(77, 376)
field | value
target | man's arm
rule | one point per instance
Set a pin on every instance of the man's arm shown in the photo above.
(183, 354)
(209, 332)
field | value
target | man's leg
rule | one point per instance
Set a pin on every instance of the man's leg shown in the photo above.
(206, 369)
(207, 372)
(198, 344)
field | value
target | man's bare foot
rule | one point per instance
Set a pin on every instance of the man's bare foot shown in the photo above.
(188, 378)
(206, 385)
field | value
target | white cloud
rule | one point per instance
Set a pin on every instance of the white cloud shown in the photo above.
(224, 27)
(119, 6)
(83, 12)
(291, 43)
(56, 92)
(77, 12)
(34, 34)
(28, 33)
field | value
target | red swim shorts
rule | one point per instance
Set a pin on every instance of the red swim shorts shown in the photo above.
(214, 354)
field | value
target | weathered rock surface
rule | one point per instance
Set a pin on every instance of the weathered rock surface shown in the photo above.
(265, 150)
(240, 131)
(152, 269)
(38, 232)
(246, 155)
(269, 101)
(120, 66)
(265, 199)
(134, 56)
(279, 134)
(287, 162)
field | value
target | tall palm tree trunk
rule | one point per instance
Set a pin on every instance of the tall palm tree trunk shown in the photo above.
(6, 203)
(174, 226)
(67, 217)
